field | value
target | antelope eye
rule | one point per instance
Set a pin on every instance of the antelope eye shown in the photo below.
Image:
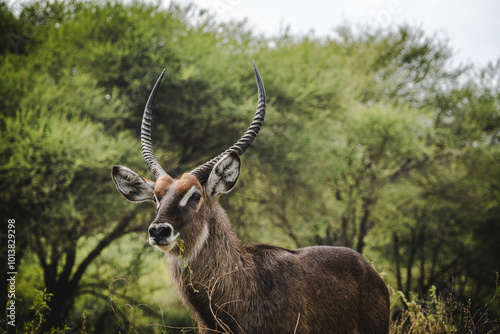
(196, 197)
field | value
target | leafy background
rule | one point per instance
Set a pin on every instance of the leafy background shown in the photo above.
(372, 140)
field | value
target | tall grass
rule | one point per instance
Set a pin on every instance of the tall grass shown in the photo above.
(437, 315)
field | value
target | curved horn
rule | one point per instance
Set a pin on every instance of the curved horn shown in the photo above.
(146, 146)
(202, 172)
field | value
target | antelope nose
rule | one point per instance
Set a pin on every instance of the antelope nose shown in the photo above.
(160, 234)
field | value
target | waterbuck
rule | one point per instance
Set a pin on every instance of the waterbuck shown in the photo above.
(234, 288)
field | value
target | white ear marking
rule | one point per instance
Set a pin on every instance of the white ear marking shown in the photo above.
(188, 195)
(224, 175)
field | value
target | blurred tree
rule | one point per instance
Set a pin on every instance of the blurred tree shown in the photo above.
(60, 162)
(454, 217)
(70, 95)
(334, 144)
(363, 131)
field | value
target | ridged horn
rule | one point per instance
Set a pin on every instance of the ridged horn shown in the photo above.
(203, 172)
(146, 146)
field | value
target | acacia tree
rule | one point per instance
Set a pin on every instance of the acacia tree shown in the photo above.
(334, 138)
(376, 143)
(452, 220)
(75, 84)
(63, 130)
(60, 163)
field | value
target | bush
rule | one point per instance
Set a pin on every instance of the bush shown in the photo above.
(436, 314)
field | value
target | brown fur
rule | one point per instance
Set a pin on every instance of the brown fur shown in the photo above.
(267, 289)
(185, 183)
(162, 184)
(233, 288)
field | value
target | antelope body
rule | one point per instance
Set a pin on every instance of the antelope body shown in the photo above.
(234, 288)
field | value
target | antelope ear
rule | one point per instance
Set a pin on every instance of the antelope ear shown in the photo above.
(134, 187)
(224, 175)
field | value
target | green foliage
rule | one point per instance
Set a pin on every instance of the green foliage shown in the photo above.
(40, 309)
(371, 140)
(436, 314)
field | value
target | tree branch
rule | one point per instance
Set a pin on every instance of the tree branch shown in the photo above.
(408, 166)
(118, 231)
(69, 263)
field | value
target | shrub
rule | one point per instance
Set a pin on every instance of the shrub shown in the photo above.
(436, 314)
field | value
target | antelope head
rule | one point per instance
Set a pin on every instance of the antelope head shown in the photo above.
(182, 205)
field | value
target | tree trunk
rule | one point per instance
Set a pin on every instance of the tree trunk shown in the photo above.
(397, 260)
(364, 224)
(61, 303)
(64, 285)
(411, 261)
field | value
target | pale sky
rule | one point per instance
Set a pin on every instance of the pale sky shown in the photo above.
(472, 27)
